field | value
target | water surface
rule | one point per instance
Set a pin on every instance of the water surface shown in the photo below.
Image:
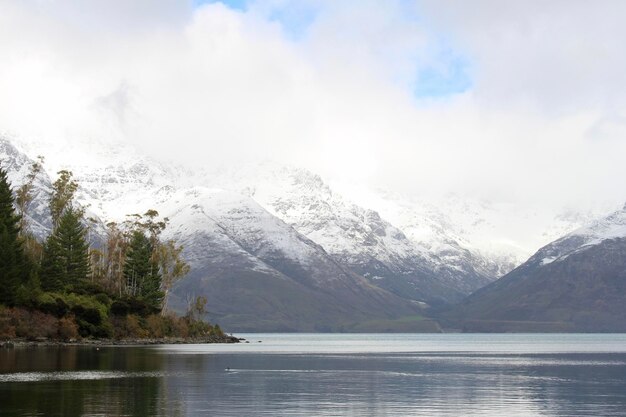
(325, 375)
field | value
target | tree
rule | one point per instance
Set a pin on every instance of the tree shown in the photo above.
(24, 196)
(143, 279)
(171, 265)
(13, 265)
(65, 262)
(114, 259)
(63, 191)
(196, 307)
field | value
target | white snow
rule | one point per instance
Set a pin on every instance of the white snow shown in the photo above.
(277, 204)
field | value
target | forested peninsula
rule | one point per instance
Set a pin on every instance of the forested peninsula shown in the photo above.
(67, 288)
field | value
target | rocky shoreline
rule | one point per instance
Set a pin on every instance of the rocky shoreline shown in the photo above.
(8, 344)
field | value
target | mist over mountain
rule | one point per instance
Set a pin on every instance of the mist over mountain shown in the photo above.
(275, 247)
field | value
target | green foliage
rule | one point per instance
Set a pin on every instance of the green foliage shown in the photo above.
(132, 305)
(51, 303)
(91, 315)
(52, 283)
(65, 263)
(141, 272)
(13, 263)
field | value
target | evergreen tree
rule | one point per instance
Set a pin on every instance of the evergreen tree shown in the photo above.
(13, 266)
(66, 254)
(143, 279)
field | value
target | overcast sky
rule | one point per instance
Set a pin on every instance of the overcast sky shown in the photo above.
(512, 100)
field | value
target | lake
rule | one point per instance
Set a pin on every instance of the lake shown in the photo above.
(325, 375)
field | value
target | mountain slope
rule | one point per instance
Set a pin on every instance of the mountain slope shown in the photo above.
(275, 247)
(576, 283)
(359, 237)
(259, 274)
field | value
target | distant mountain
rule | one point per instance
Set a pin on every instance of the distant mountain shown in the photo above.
(576, 283)
(256, 271)
(274, 247)
(359, 237)
(260, 274)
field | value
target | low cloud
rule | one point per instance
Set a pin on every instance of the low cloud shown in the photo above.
(539, 118)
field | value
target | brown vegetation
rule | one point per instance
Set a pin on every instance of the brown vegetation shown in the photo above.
(33, 325)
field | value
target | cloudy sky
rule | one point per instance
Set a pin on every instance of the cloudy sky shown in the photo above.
(511, 100)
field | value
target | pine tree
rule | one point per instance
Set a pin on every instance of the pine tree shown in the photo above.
(13, 266)
(143, 279)
(66, 254)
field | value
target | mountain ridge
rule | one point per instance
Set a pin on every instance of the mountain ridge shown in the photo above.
(576, 283)
(286, 227)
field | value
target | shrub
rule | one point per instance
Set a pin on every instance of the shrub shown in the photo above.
(128, 326)
(7, 328)
(180, 327)
(156, 326)
(68, 329)
(120, 308)
(217, 331)
(198, 328)
(51, 303)
(135, 306)
(90, 315)
(87, 288)
(103, 299)
(34, 324)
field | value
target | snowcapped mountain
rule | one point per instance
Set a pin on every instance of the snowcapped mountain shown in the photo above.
(276, 247)
(359, 237)
(598, 231)
(259, 273)
(499, 235)
(17, 165)
(576, 283)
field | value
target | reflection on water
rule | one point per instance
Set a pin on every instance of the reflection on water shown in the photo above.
(375, 375)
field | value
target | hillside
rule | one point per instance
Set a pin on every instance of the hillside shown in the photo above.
(577, 283)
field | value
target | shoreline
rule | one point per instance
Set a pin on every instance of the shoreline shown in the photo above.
(16, 343)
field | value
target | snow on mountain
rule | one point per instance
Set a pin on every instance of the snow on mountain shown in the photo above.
(256, 271)
(575, 283)
(17, 165)
(612, 226)
(356, 236)
(501, 235)
(233, 245)
(283, 221)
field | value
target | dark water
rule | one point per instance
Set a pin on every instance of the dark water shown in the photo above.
(325, 375)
